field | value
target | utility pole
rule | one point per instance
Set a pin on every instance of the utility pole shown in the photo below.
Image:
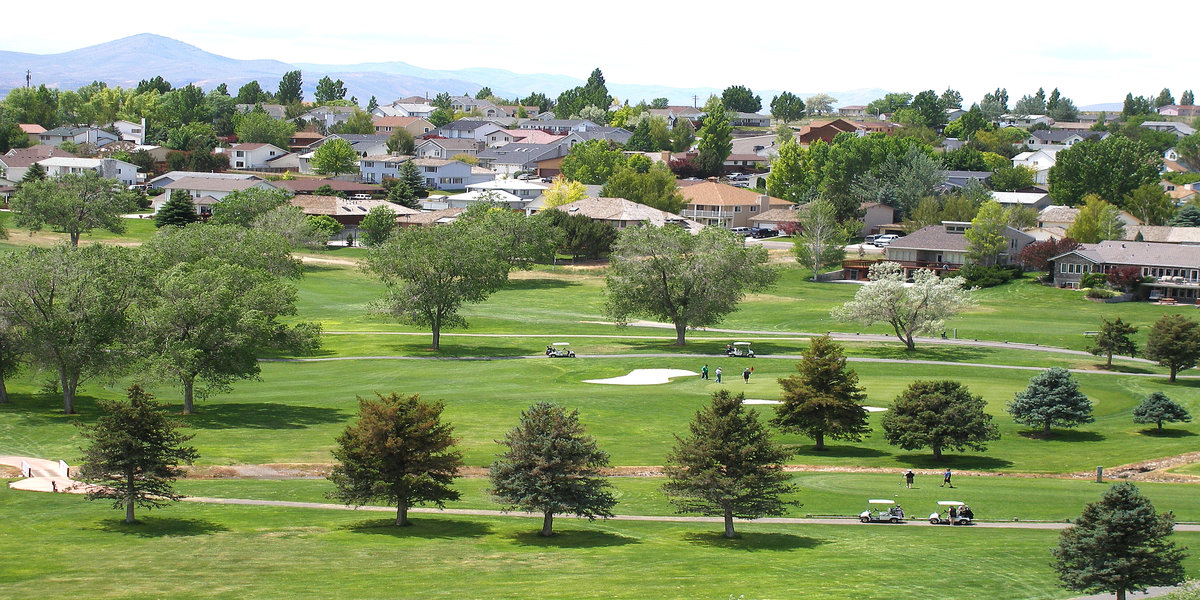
(28, 76)
(695, 101)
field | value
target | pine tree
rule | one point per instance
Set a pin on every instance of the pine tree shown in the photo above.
(1174, 342)
(1052, 398)
(552, 466)
(728, 466)
(403, 195)
(35, 172)
(1113, 338)
(410, 174)
(824, 399)
(640, 140)
(1119, 544)
(177, 211)
(1158, 408)
(399, 451)
(135, 453)
(716, 138)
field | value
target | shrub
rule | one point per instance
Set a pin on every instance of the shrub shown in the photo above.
(983, 277)
(1093, 280)
(1099, 292)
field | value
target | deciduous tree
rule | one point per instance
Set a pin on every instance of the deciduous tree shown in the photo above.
(377, 226)
(985, 238)
(741, 99)
(1111, 168)
(12, 354)
(688, 280)
(822, 238)
(1097, 221)
(656, 188)
(74, 203)
(1113, 338)
(1119, 544)
(550, 465)
(1010, 179)
(592, 162)
(134, 454)
(1150, 204)
(787, 107)
(716, 138)
(335, 157)
(401, 142)
(820, 104)
(1052, 398)
(824, 398)
(329, 90)
(912, 310)
(398, 451)
(563, 191)
(243, 207)
(258, 127)
(1038, 254)
(939, 415)
(728, 466)
(359, 122)
(1174, 342)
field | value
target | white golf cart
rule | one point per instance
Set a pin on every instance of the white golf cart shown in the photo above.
(952, 512)
(882, 511)
(559, 350)
(740, 349)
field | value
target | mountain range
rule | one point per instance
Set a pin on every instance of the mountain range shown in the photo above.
(127, 61)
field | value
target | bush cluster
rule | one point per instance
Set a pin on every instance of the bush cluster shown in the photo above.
(984, 277)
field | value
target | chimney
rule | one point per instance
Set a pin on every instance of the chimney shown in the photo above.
(764, 203)
(665, 156)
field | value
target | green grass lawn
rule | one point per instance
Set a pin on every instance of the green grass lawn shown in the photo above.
(821, 494)
(194, 551)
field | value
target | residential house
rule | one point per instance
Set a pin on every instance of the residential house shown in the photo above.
(1163, 234)
(275, 111)
(442, 174)
(622, 213)
(252, 156)
(616, 135)
(1024, 121)
(724, 205)
(365, 144)
(301, 141)
(1174, 267)
(173, 176)
(1040, 161)
(673, 113)
(1175, 127)
(514, 110)
(510, 159)
(374, 169)
(943, 247)
(519, 188)
(484, 108)
(775, 218)
(328, 116)
(207, 191)
(957, 180)
(954, 114)
(309, 185)
(762, 145)
(406, 107)
(448, 147)
(1179, 193)
(466, 199)
(1176, 110)
(824, 130)
(875, 216)
(1033, 200)
(743, 119)
(78, 135)
(559, 126)
(746, 163)
(16, 161)
(430, 218)
(130, 131)
(110, 168)
(532, 136)
(1043, 138)
(1064, 217)
(348, 213)
(465, 129)
(853, 110)
(414, 125)
(33, 130)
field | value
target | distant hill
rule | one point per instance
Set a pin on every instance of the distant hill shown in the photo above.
(1109, 107)
(127, 61)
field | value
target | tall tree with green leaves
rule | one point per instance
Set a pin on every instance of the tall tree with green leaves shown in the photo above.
(728, 466)
(377, 226)
(592, 162)
(716, 138)
(1157, 408)
(1150, 204)
(329, 90)
(1119, 544)
(1187, 98)
(985, 237)
(1174, 342)
(912, 310)
(820, 104)
(74, 203)
(1111, 168)
(787, 107)
(821, 241)
(258, 127)
(939, 415)
(359, 122)
(688, 280)
(177, 211)
(1114, 337)
(739, 98)
(335, 157)
(399, 451)
(290, 91)
(12, 354)
(551, 466)
(795, 175)
(134, 453)
(824, 399)
(401, 141)
(243, 207)
(656, 188)
(1052, 399)
(1097, 221)
(403, 195)
(683, 135)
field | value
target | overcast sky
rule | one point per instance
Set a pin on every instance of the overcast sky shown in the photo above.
(1092, 51)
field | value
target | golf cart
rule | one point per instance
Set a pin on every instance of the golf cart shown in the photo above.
(952, 512)
(741, 349)
(882, 511)
(559, 350)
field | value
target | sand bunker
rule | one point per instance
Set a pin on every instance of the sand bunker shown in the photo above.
(758, 401)
(645, 377)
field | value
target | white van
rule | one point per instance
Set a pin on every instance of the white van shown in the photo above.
(884, 240)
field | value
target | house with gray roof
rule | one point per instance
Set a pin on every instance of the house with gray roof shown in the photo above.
(77, 135)
(275, 111)
(957, 180)
(465, 129)
(365, 144)
(207, 191)
(173, 176)
(622, 213)
(559, 126)
(441, 174)
(485, 108)
(943, 248)
(617, 135)
(1175, 127)
(109, 168)
(448, 147)
(1174, 267)
(512, 158)
(328, 116)
(1061, 137)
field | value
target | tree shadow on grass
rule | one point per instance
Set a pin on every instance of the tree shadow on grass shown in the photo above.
(1166, 433)
(1063, 435)
(539, 284)
(573, 538)
(753, 541)
(837, 451)
(261, 415)
(157, 527)
(424, 527)
(939, 352)
(957, 461)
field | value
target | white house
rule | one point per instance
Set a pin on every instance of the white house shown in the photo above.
(1024, 121)
(78, 135)
(517, 187)
(1033, 200)
(110, 168)
(1040, 161)
(447, 148)
(253, 156)
(374, 169)
(132, 132)
(173, 176)
(405, 109)
(207, 191)
(441, 174)
(328, 116)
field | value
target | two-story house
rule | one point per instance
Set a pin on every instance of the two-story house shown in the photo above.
(414, 125)
(207, 191)
(78, 135)
(253, 156)
(448, 147)
(1040, 161)
(442, 174)
(110, 168)
(724, 205)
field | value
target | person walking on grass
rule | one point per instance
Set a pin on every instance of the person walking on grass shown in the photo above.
(946, 478)
(746, 375)
(908, 478)
(718, 372)
(704, 372)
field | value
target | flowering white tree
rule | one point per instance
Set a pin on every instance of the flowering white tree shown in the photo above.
(911, 310)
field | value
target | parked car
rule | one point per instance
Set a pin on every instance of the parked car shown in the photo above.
(742, 231)
(763, 232)
(736, 177)
(884, 240)
(870, 239)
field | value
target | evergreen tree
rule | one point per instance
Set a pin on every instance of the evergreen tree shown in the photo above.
(1158, 408)
(683, 135)
(290, 91)
(1187, 99)
(403, 195)
(177, 211)
(372, 104)
(824, 399)
(1113, 338)
(1188, 216)
(1164, 98)
(551, 466)
(640, 140)
(728, 466)
(938, 414)
(35, 172)
(716, 138)
(411, 175)
(1119, 544)
(1052, 398)
(484, 93)
(135, 453)
(399, 451)
(1174, 342)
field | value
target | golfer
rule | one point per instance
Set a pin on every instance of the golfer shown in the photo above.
(946, 478)
(718, 372)
(704, 372)
(746, 375)
(908, 478)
